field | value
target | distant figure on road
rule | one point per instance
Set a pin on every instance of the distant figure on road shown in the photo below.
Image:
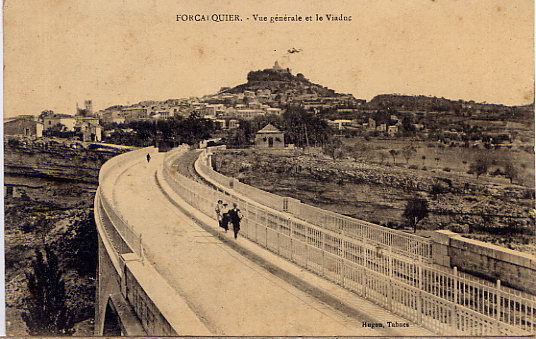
(148, 157)
(225, 217)
(235, 216)
(219, 214)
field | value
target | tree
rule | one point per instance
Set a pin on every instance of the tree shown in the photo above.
(437, 189)
(416, 210)
(304, 128)
(47, 309)
(382, 156)
(479, 166)
(45, 113)
(408, 152)
(241, 136)
(194, 129)
(511, 172)
(393, 153)
(360, 151)
(58, 130)
(79, 244)
(408, 126)
(259, 122)
(333, 148)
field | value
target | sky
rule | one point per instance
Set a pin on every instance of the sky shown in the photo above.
(120, 52)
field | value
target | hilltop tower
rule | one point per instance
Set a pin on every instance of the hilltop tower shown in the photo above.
(87, 111)
(278, 68)
(89, 107)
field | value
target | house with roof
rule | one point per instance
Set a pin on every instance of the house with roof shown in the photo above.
(67, 121)
(89, 128)
(392, 130)
(339, 124)
(23, 126)
(269, 137)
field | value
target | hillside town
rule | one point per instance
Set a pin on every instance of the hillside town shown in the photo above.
(270, 92)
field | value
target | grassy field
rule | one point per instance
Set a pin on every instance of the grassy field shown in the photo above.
(438, 157)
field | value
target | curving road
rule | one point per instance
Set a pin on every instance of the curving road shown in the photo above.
(231, 294)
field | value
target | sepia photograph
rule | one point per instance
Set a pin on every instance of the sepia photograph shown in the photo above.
(269, 168)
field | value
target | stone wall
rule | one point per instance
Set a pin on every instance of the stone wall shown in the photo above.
(513, 268)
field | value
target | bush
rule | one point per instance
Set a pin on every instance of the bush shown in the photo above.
(529, 194)
(458, 228)
(497, 172)
(438, 188)
(47, 312)
(13, 142)
(446, 169)
(392, 224)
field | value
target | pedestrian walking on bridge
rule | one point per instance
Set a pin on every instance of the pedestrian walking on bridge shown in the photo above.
(225, 217)
(235, 217)
(219, 213)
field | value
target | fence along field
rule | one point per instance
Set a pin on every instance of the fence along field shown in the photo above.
(446, 302)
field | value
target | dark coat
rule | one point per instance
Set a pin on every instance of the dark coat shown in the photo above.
(234, 217)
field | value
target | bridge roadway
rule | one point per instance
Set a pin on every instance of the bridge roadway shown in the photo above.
(231, 294)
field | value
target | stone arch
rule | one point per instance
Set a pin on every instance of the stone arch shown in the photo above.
(112, 325)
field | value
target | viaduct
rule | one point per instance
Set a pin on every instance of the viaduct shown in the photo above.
(166, 269)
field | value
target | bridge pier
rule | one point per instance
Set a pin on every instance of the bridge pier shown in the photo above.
(113, 315)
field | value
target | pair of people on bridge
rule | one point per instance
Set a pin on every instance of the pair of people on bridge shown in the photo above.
(226, 216)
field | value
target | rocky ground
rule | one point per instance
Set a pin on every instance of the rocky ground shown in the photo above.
(50, 186)
(478, 208)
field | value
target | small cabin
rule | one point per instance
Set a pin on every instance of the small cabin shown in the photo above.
(269, 137)
(23, 126)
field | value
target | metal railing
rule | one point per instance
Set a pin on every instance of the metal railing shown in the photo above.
(445, 302)
(403, 243)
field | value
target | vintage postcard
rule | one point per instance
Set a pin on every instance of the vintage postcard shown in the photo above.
(269, 168)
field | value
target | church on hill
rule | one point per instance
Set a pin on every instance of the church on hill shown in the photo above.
(278, 68)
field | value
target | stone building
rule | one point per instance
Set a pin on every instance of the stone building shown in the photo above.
(52, 120)
(23, 126)
(392, 130)
(89, 129)
(269, 137)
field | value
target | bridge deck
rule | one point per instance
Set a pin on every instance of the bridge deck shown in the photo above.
(231, 294)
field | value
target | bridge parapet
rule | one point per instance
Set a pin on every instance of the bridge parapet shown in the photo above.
(128, 283)
(445, 301)
(116, 166)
